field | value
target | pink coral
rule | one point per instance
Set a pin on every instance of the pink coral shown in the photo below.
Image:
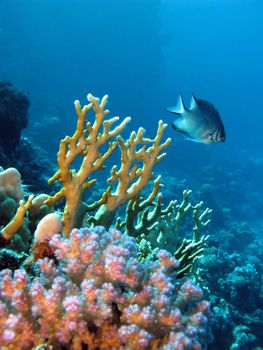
(97, 293)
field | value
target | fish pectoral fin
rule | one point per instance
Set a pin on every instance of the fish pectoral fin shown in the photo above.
(193, 140)
(181, 131)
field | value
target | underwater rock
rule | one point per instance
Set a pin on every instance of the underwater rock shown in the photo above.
(10, 259)
(14, 106)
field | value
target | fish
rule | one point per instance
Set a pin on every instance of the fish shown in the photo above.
(200, 123)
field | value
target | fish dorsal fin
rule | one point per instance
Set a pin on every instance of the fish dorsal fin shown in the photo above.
(179, 108)
(193, 103)
(207, 106)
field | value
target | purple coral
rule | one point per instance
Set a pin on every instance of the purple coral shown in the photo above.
(100, 295)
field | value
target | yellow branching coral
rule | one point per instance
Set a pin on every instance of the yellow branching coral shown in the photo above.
(14, 225)
(131, 178)
(86, 142)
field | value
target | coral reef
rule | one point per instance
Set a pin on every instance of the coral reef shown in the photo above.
(233, 270)
(15, 150)
(92, 286)
(230, 271)
(33, 164)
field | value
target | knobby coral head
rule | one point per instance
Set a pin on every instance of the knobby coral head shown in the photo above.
(97, 293)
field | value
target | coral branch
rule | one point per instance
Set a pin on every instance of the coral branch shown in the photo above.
(85, 142)
(131, 178)
(13, 226)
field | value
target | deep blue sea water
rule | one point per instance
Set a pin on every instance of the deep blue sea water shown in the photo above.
(143, 53)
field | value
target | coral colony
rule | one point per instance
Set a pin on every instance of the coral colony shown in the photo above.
(91, 279)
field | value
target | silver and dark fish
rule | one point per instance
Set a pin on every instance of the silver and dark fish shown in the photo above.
(200, 123)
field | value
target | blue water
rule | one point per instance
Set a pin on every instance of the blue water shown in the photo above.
(143, 54)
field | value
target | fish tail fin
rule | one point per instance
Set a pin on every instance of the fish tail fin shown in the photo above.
(193, 103)
(179, 108)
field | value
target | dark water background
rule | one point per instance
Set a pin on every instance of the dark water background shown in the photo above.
(143, 54)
